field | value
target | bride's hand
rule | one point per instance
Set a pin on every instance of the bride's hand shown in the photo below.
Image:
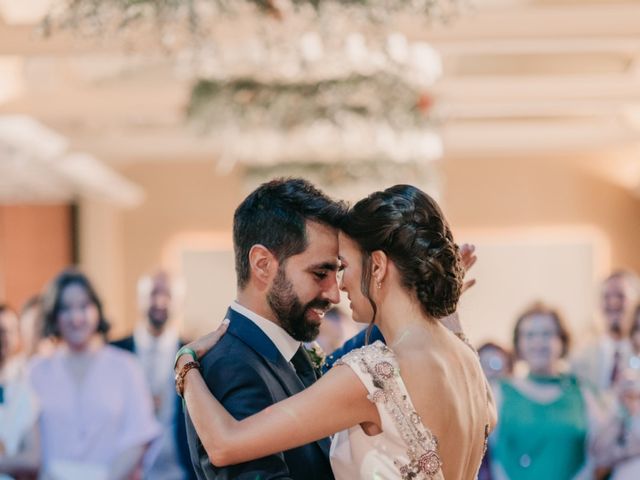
(205, 343)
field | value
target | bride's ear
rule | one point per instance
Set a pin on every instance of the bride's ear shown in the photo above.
(379, 267)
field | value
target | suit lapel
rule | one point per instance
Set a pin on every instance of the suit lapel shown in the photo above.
(247, 331)
(254, 337)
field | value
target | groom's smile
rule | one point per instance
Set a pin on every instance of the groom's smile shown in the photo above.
(305, 286)
(316, 310)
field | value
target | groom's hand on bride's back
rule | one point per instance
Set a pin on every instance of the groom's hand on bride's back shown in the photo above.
(469, 258)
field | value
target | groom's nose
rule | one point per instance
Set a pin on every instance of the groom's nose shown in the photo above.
(332, 293)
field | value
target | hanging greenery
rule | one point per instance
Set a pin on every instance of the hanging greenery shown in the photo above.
(196, 15)
(337, 83)
(382, 98)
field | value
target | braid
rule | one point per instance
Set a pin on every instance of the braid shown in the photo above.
(409, 227)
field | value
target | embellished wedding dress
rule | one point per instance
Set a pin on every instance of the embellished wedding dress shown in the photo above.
(406, 449)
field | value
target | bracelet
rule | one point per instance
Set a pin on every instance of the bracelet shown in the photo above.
(185, 351)
(183, 372)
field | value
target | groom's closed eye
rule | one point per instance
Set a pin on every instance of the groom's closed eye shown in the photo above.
(321, 275)
(322, 271)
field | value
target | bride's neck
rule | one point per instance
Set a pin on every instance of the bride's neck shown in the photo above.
(399, 317)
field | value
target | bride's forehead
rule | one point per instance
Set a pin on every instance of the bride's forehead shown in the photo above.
(346, 243)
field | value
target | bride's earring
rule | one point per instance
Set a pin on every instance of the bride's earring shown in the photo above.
(379, 285)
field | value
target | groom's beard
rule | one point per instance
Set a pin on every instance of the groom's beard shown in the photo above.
(290, 312)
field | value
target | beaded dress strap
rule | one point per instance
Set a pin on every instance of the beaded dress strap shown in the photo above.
(379, 363)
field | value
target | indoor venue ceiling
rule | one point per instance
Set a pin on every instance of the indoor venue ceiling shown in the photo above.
(520, 78)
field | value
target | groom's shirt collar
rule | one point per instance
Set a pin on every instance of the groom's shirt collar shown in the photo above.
(285, 343)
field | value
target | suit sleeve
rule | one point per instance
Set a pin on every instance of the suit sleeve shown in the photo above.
(354, 342)
(243, 392)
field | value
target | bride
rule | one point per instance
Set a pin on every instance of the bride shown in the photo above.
(416, 408)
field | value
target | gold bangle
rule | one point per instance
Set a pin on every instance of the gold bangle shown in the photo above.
(182, 373)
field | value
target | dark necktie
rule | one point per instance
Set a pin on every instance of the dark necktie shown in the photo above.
(615, 371)
(303, 366)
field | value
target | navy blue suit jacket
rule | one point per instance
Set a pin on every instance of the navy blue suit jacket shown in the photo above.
(246, 373)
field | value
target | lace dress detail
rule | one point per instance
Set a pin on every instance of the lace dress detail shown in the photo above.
(378, 362)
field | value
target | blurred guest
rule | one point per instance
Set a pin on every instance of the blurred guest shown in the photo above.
(19, 452)
(13, 358)
(634, 338)
(96, 415)
(331, 333)
(601, 362)
(155, 342)
(496, 362)
(32, 329)
(545, 418)
(335, 329)
(617, 445)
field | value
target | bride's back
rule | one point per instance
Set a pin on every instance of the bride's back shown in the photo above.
(447, 388)
(411, 273)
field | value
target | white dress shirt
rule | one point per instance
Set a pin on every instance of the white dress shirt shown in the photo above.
(594, 364)
(156, 355)
(285, 343)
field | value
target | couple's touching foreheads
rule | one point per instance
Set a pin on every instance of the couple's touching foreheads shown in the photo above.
(405, 399)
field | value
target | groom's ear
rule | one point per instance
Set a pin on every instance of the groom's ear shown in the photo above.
(264, 264)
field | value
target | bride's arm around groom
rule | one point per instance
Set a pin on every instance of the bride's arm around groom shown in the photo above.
(402, 269)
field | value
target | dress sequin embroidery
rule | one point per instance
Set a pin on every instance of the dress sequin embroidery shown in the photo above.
(379, 362)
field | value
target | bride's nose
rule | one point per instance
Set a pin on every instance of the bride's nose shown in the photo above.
(340, 279)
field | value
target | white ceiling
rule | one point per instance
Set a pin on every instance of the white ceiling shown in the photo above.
(520, 78)
(36, 166)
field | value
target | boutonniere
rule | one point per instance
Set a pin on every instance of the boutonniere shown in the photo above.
(316, 355)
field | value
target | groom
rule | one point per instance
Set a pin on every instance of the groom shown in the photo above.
(286, 256)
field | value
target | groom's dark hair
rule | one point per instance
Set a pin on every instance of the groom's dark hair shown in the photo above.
(274, 215)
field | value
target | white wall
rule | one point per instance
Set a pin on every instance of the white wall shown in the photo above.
(559, 266)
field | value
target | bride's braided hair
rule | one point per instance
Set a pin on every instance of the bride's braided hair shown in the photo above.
(410, 228)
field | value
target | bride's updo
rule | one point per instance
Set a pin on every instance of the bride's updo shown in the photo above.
(408, 225)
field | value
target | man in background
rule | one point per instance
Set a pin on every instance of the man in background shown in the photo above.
(601, 363)
(155, 342)
(13, 357)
